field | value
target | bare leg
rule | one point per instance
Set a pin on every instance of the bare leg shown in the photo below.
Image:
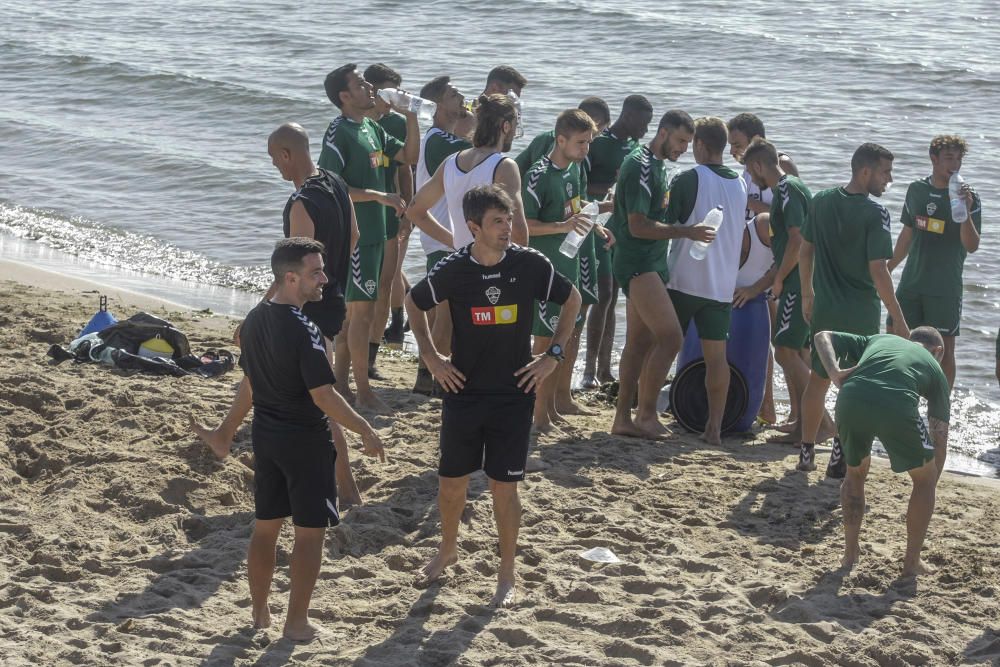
(918, 516)
(948, 362)
(507, 512)
(716, 386)
(388, 274)
(451, 502)
(595, 331)
(796, 375)
(852, 502)
(545, 409)
(307, 556)
(767, 412)
(260, 568)
(342, 362)
(359, 314)
(564, 402)
(815, 424)
(220, 439)
(608, 339)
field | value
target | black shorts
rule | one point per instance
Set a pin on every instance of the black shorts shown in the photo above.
(328, 314)
(294, 476)
(486, 432)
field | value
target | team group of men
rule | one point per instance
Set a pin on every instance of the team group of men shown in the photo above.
(500, 314)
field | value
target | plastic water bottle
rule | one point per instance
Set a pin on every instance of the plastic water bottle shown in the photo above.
(959, 211)
(571, 244)
(714, 220)
(401, 99)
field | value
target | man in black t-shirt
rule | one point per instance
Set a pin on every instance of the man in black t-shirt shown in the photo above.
(321, 209)
(491, 288)
(291, 385)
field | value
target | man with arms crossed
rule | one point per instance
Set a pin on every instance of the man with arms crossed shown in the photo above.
(607, 151)
(360, 151)
(935, 246)
(881, 384)
(702, 290)
(290, 379)
(491, 287)
(639, 262)
(843, 267)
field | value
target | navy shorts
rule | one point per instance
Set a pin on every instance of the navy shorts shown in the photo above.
(486, 432)
(294, 476)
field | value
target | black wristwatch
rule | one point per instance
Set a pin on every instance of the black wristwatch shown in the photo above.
(556, 352)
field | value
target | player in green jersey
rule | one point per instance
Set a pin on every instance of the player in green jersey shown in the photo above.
(935, 246)
(359, 150)
(843, 267)
(501, 80)
(652, 334)
(542, 144)
(552, 193)
(396, 227)
(601, 169)
(788, 215)
(882, 382)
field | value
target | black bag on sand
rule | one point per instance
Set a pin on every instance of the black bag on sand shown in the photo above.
(129, 334)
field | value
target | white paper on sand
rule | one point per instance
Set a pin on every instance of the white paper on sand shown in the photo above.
(600, 555)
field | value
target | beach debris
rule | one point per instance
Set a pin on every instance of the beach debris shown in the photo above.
(600, 555)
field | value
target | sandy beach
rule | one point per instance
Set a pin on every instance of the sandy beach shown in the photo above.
(123, 541)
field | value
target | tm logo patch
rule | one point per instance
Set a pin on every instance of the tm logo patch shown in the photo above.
(490, 315)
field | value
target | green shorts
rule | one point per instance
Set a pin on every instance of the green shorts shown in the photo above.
(391, 225)
(547, 319)
(366, 267)
(902, 432)
(711, 318)
(941, 312)
(588, 270)
(436, 257)
(603, 258)
(629, 260)
(792, 330)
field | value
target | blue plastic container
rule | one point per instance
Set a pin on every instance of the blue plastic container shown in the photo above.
(101, 320)
(746, 350)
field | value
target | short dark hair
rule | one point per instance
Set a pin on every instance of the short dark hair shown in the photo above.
(761, 150)
(336, 83)
(711, 132)
(573, 121)
(481, 199)
(869, 155)
(637, 103)
(289, 253)
(506, 74)
(380, 73)
(493, 111)
(948, 141)
(748, 124)
(676, 118)
(927, 336)
(434, 89)
(596, 108)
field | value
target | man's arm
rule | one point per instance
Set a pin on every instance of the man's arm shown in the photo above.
(410, 151)
(644, 227)
(879, 270)
(744, 294)
(404, 185)
(355, 232)
(336, 408)
(392, 200)
(938, 431)
(902, 249)
(828, 357)
(787, 165)
(807, 252)
(300, 222)
(788, 262)
(440, 367)
(509, 178)
(539, 368)
(419, 214)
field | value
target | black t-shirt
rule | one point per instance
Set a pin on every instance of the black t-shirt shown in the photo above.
(492, 308)
(284, 356)
(328, 203)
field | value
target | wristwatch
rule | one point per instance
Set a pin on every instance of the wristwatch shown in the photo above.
(556, 352)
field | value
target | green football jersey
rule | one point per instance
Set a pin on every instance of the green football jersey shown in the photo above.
(936, 258)
(394, 125)
(892, 374)
(641, 188)
(606, 155)
(361, 153)
(438, 146)
(539, 147)
(789, 208)
(551, 194)
(848, 231)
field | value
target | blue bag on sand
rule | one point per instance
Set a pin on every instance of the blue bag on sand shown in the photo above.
(101, 320)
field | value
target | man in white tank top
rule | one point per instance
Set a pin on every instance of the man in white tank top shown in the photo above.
(702, 290)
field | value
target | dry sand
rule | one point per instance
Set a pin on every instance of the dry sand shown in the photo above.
(122, 541)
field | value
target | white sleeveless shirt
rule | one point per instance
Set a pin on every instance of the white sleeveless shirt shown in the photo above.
(457, 183)
(440, 209)
(759, 258)
(713, 277)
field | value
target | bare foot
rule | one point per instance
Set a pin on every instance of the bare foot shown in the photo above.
(604, 377)
(216, 440)
(713, 438)
(262, 617)
(433, 570)
(826, 432)
(652, 427)
(571, 407)
(589, 382)
(545, 428)
(849, 560)
(304, 632)
(506, 595)
(786, 427)
(369, 402)
(630, 429)
(916, 569)
(793, 438)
